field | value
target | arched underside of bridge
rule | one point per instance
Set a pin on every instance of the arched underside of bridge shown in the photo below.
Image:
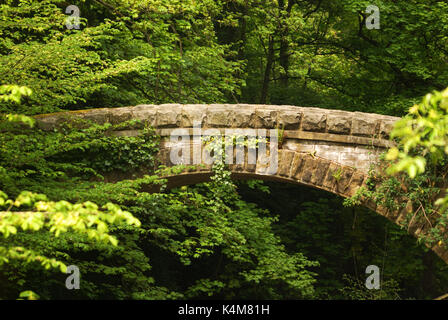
(331, 150)
(303, 169)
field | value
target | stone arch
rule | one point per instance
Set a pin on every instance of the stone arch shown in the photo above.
(330, 150)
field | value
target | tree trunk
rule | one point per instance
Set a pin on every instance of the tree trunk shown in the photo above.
(267, 71)
(284, 44)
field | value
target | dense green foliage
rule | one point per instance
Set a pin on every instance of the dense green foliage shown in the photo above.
(296, 52)
(217, 239)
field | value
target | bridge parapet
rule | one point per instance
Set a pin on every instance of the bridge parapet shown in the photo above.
(305, 119)
(352, 138)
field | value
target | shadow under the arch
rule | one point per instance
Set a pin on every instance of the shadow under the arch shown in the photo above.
(192, 178)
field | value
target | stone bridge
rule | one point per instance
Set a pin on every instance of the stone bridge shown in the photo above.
(330, 150)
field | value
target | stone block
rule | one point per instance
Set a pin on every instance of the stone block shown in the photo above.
(146, 113)
(330, 180)
(99, 116)
(386, 127)
(264, 118)
(309, 167)
(338, 124)
(320, 172)
(358, 179)
(343, 182)
(242, 118)
(192, 114)
(285, 160)
(364, 127)
(297, 166)
(168, 117)
(218, 118)
(119, 115)
(289, 120)
(314, 121)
